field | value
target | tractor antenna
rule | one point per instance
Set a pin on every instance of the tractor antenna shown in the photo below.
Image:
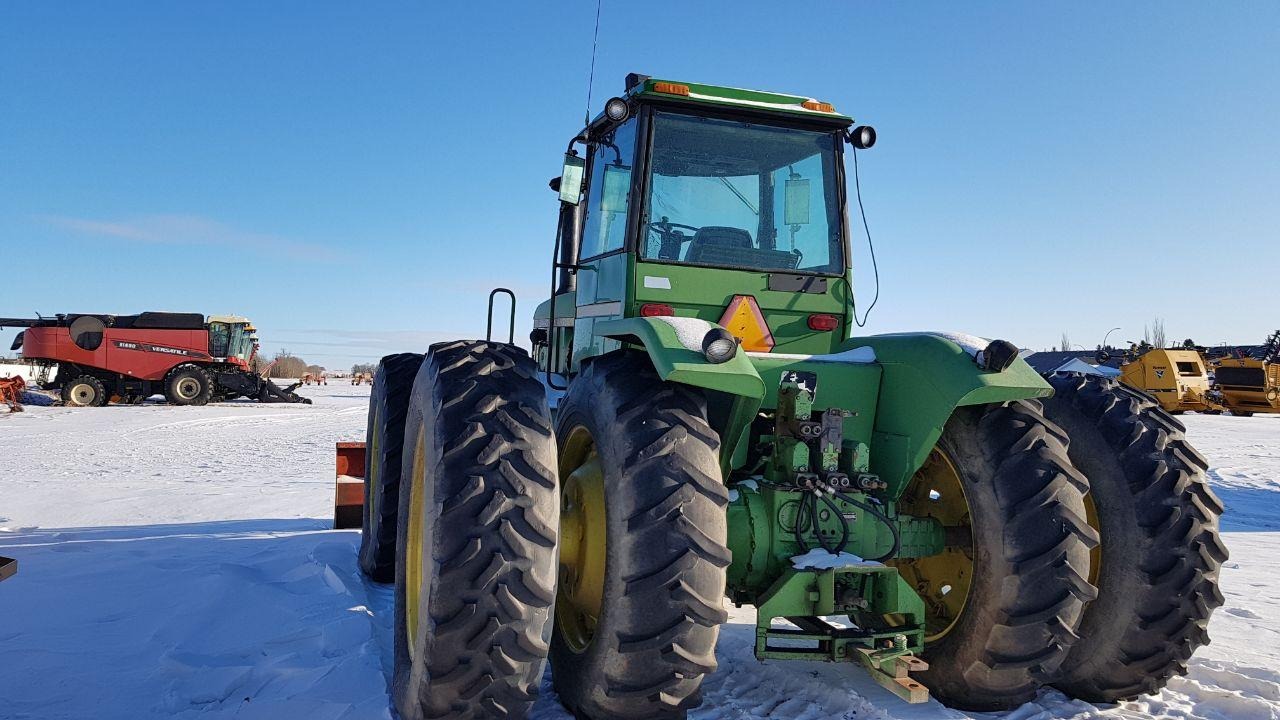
(591, 77)
(857, 186)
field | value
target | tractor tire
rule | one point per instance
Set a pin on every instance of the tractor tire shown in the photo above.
(643, 544)
(1160, 551)
(1242, 413)
(188, 385)
(84, 391)
(1029, 554)
(476, 548)
(384, 443)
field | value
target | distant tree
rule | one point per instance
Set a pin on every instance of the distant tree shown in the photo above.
(1157, 333)
(362, 368)
(258, 364)
(1065, 345)
(315, 369)
(286, 365)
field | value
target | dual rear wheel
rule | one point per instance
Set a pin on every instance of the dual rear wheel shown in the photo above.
(1082, 542)
(1087, 549)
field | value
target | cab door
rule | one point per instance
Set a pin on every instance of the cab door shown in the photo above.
(604, 277)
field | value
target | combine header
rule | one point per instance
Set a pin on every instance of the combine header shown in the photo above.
(191, 360)
(695, 423)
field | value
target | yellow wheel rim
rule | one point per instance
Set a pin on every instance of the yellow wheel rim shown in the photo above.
(582, 541)
(942, 580)
(1095, 555)
(413, 544)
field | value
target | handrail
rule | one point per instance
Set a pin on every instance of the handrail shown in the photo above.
(511, 327)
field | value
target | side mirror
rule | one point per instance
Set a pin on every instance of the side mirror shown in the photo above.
(795, 209)
(571, 179)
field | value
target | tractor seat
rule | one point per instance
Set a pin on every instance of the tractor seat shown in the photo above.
(714, 243)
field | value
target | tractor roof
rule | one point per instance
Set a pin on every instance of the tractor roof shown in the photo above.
(757, 100)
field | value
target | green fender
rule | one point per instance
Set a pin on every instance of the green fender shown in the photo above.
(735, 390)
(925, 378)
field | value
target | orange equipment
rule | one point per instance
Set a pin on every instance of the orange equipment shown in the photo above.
(348, 491)
(11, 393)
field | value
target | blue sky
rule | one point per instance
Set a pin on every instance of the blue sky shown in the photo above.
(356, 176)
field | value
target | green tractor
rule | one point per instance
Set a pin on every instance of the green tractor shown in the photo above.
(696, 426)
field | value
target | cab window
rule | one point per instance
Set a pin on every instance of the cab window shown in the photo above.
(609, 195)
(219, 339)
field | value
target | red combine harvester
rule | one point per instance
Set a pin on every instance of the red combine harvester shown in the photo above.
(189, 359)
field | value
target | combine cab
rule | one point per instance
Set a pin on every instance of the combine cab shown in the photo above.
(189, 359)
(696, 422)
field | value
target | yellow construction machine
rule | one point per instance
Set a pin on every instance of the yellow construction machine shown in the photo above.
(1178, 379)
(1250, 384)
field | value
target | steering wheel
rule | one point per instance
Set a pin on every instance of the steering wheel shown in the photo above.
(671, 239)
(663, 227)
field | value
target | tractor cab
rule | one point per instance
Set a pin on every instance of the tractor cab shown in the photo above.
(713, 203)
(232, 337)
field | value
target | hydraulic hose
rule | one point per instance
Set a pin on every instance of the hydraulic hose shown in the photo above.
(893, 528)
(844, 524)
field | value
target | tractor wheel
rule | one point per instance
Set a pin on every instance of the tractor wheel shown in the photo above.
(188, 385)
(84, 391)
(476, 552)
(1003, 601)
(643, 544)
(1242, 413)
(388, 406)
(1157, 566)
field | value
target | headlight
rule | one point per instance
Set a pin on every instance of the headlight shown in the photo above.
(863, 137)
(616, 109)
(719, 346)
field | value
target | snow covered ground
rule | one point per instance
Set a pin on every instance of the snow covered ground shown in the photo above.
(176, 562)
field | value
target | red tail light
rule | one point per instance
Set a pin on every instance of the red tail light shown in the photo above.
(823, 322)
(655, 310)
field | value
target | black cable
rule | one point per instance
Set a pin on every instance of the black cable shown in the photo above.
(804, 547)
(893, 528)
(844, 524)
(811, 501)
(857, 186)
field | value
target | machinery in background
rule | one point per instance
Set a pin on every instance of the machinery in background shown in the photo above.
(11, 393)
(190, 359)
(1177, 378)
(1250, 384)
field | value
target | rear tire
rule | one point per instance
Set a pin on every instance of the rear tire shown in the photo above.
(1160, 552)
(388, 407)
(662, 570)
(188, 385)
(477, 536)
(84, 391)
(1030, 556)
